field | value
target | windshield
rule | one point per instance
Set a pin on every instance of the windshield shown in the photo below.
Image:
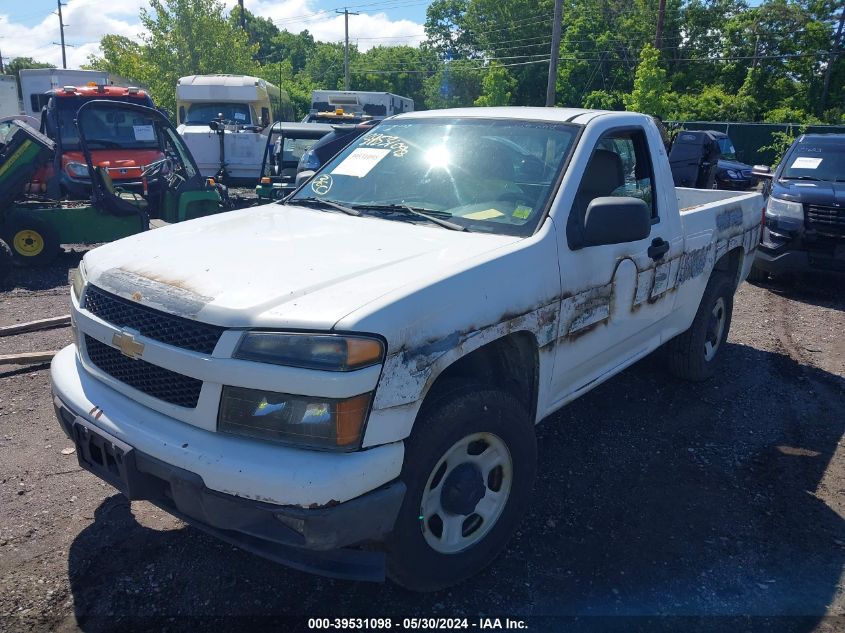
(292, 149)
(727, 149)
(203, 113)
(114, 130)
(814, 160)
(481, 174)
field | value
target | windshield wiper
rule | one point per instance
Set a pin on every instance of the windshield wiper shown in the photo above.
(428, 214)
(799, 178)
(319, 202)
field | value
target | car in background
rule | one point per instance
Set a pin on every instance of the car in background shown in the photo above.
(706, 159)
(730, 172)
(286, 143)
(329, 145)
(805, 212)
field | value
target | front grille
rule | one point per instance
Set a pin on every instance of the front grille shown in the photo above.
(150, 379)
(830, 220)
(167, 328)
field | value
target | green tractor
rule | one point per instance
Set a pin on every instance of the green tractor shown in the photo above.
(170, 189)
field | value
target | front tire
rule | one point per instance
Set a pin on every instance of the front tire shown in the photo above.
(469, 469)
(694, 355)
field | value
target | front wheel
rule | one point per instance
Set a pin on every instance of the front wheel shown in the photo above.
(469, 469)
(694, 354)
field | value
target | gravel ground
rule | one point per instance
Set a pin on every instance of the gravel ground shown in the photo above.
(659, 505)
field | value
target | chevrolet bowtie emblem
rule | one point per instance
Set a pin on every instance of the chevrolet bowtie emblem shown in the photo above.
(127, 345)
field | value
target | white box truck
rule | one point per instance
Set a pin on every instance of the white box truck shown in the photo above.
(377, 105)
(35, 82)
(9, 104)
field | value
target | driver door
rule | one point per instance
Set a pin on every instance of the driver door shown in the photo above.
(613, 305)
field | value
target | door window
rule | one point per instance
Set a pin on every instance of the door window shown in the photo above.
(619, 166)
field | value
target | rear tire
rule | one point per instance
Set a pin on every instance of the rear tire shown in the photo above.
(33, 241)
(469, 469)
(695, 354)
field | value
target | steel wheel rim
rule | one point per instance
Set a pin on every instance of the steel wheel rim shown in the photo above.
(450, 532)
(28, 243)
(715, 329)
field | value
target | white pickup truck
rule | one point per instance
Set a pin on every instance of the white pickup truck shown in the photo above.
(348, 381)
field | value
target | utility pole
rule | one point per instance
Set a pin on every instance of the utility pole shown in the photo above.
(346, 13)
(555, 53)
(62, 32)
(243, 17)
(831, 60)
(661, 14)
(2, 70)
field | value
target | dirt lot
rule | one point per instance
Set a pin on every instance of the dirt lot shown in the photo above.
(659, 505)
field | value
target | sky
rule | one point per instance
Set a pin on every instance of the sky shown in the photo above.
(31, 29)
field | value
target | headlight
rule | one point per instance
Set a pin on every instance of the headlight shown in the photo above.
(309, 160)
(306, 421)
(77, 280)
(785, 209)
(78, 170)
(328, 352)
(733, 174)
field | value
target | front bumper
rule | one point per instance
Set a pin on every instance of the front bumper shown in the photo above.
(309, 539)
(790, 258)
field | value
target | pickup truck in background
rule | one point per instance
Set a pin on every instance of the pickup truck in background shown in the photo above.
(805, 212)
(348, 382)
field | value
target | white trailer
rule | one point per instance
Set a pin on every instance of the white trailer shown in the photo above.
(246, 105)
(9, 104)
(378, 105)
(35, 82)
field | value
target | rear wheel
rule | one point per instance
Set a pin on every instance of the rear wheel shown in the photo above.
(469, 469)
(33, 241)
(694, 354)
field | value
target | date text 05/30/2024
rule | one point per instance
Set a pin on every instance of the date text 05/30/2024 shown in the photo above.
(409, 624)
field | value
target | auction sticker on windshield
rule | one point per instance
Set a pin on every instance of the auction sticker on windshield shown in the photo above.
(360, 162)
(144, 132)
(805, 162)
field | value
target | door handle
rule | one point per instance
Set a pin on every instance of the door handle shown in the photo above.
(659, 247)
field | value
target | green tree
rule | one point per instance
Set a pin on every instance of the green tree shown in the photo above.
(397, 69)
(454, 84)
(650, 86)
(190, 37)
(497, 86)
(121, 56)
(260, 32)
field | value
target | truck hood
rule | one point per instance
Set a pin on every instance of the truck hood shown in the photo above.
(279, 266)
(823, 193)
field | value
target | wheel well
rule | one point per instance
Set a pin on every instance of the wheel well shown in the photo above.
(510, 363)
(730, 263)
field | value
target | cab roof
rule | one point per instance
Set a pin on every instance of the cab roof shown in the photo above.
(99, 91)
(526, 113)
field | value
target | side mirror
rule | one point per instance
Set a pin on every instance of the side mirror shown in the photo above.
(304, 176)
(616, 220)
(762, 171)
(214, 125)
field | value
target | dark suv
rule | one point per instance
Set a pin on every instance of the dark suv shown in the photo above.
(805, 213)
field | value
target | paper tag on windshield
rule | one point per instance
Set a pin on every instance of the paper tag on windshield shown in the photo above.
(144, 132)
(360, 162)
(805, 162)
(240, 116)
